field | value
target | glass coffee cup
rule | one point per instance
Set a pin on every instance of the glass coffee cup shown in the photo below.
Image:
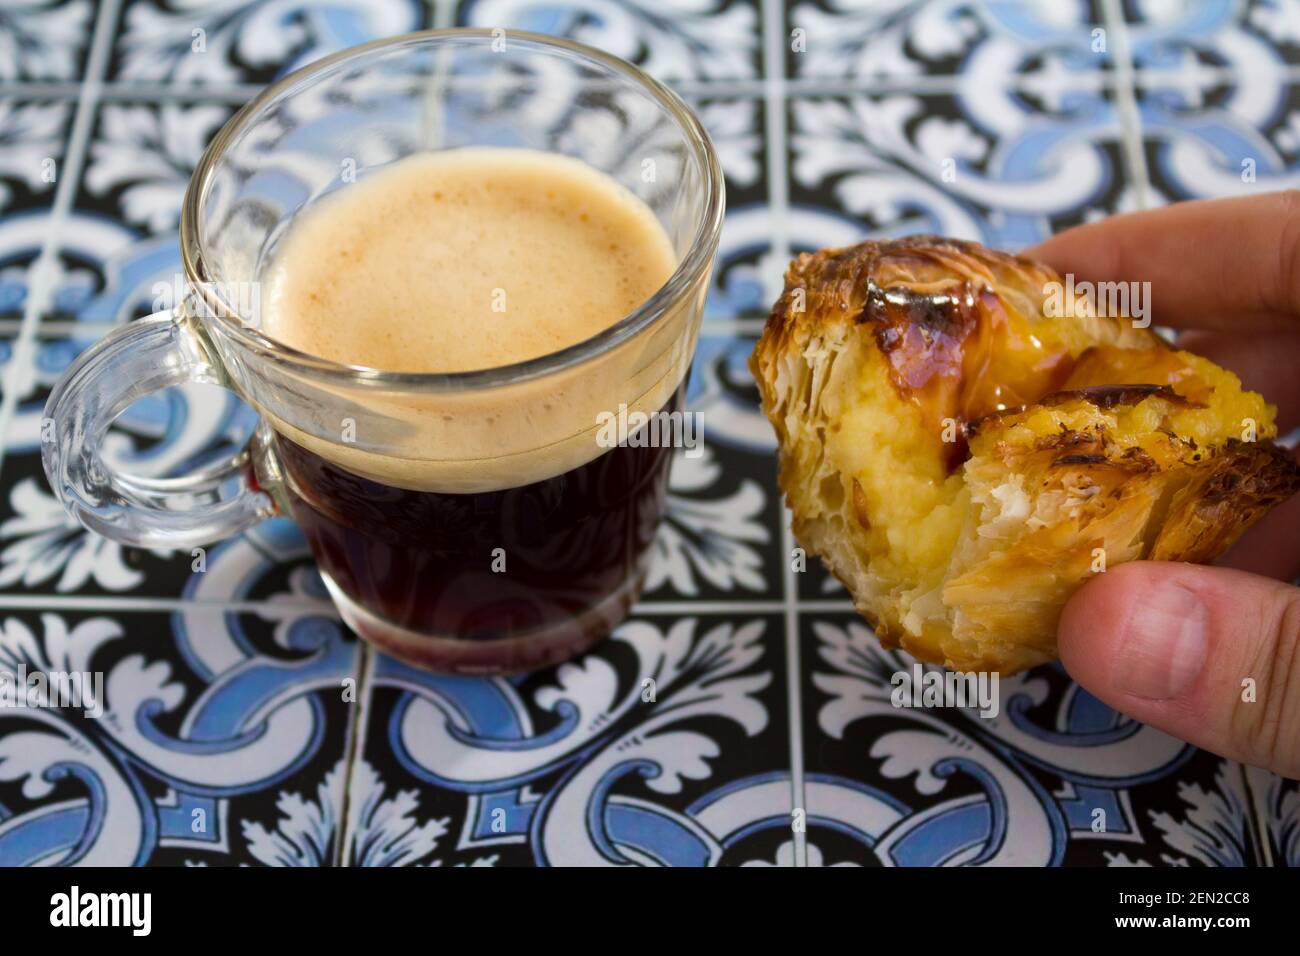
(470, 522)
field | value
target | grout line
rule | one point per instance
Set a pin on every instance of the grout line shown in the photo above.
(235, 93)
(796, 87)
(1126, 102)
(673, 608)
(706, 88)
(930, 84)
(37, 89)
(444, 13)
(129, 90)
(74, 602)
(60, 327)
(825, 606)
(69, 178)
(650, 608)
(774, 69)
(647, 608)
(794, 690)
(775, 136)
(1255, 819)
(355, 744)
(733, 326)
(1147, 77)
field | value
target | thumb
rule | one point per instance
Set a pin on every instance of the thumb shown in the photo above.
(1210, 655)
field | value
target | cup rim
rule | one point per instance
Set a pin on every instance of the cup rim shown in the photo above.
(695, 263)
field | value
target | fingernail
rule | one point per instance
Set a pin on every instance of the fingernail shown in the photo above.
(1166, 644)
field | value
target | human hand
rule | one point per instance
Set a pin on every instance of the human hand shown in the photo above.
(1170, 644)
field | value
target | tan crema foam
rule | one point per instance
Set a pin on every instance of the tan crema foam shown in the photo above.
(471, 259)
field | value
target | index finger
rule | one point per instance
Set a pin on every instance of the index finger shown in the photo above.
(1212, 264)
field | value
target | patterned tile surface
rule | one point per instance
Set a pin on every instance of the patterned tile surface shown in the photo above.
(989, 40)
(677, 41)
(742, 715)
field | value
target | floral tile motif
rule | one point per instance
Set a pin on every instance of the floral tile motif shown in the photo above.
(673, 41)
(1253, 36)
(665, 746)
(33, 144)
(120, 253)
(208, 738)
(993, 165)
(1053, 778)
(8, 336)
(1206, 136)
(20, 241)
(188, 43)
(45, 40)
(737, 128)
(141, 157)
(988, 42)
(717, 540)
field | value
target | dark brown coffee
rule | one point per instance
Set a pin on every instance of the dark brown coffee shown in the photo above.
(496, 581)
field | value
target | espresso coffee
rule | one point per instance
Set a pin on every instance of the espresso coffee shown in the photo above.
(476, 552)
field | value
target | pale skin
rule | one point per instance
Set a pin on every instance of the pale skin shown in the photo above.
(1174, 645)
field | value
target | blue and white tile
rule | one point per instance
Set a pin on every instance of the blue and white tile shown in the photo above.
(43, 550)
(44, 40)
(33, 144)
(192, 43)
(212, 738)
(987, 43)
(665, 746)
(8, 342)
(998, 166)
(1238, 36)
(33, 147)
(718, 539)
(1206, 136)
(120, 247)
(1054, 778)
(1277, 806)
(672, 40)
(737, 127)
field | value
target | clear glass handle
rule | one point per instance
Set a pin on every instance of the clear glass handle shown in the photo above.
(136, 360)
